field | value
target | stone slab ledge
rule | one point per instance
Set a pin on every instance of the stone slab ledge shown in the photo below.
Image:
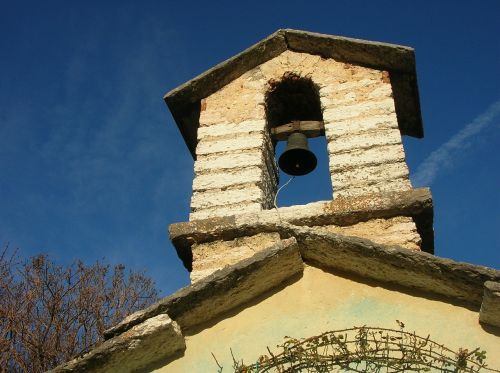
(147, 342)
(410, 269)
(225, 289)
(342, 211)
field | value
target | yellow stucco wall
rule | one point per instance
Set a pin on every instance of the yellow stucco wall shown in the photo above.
(321, 301)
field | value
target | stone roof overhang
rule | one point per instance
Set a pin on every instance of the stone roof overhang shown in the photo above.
(157, 332)
(184, 101)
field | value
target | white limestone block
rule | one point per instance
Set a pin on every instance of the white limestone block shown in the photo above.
(363, 140)
(348, 86)
(371, 156)
(211, 198)
(357, 125)
(369, 174)
(219, 211)
(384, 90)
(228, 129)
(232, 144)
(227, 178)
(333, 114)
(209, 163)
(396, 185)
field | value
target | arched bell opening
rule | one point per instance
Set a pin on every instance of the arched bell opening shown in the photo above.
(293, 98)
(295, 122)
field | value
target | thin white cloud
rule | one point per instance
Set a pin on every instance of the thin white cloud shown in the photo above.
(442, 157)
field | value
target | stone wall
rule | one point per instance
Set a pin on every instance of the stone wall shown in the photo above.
(232, 170)
(235, 170)
(211, 256)
(364, 143)
(402, 219)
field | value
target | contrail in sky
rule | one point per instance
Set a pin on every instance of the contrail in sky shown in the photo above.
(442, 157)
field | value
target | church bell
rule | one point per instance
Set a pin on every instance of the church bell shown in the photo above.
(297, 159)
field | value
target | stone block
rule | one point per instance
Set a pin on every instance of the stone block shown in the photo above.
(345, 211)
(364, 140)
(384, 90)
(231, 129)
(226, 210)
(400, 231)
(367, 157)
(212, 256)
(211, 146)
(359, 125)
(211, 198)
(490, 307)
(369, 174)
(228, 178)
(334, 114)
(412, 269)
(239, 159)
(225, 289)
(153, 339)
(236, 102)
(347, 86)
(384, 186)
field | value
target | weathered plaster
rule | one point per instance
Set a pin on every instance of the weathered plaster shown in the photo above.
(321, 301)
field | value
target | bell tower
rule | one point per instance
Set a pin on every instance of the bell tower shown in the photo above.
(294, 85)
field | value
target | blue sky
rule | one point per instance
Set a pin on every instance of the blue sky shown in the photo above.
(92, 164)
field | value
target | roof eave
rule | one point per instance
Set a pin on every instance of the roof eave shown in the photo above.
(184, 101)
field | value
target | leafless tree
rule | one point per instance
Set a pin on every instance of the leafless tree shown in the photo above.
(51, 313)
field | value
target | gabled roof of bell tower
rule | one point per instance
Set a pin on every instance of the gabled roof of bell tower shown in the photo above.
(399, 61)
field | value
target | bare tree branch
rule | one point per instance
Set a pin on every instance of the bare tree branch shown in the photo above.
(50, 313)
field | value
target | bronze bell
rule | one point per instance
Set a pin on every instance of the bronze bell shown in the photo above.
(297, 159)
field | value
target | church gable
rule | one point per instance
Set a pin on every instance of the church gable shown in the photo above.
(322, 301)
(300, 288)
